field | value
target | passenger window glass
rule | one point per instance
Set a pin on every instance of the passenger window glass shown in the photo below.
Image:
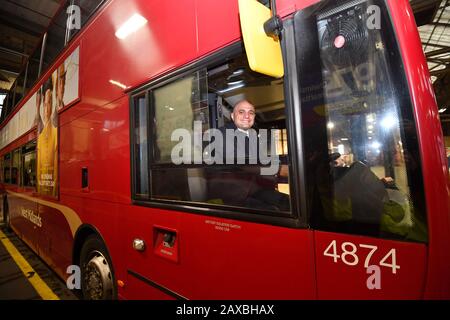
(29, 165)
(358, 116)
(7, 168)
(141, 146)
(2, 179)
(191, 164)
(33, 67)
(15, 167)
(55, 39)
(176, 106)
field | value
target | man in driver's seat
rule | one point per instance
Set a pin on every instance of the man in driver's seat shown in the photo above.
(244, 185)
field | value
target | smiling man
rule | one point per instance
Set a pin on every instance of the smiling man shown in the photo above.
(240, 139)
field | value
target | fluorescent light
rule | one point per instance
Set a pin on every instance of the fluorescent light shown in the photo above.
(237, 86)
(376, 145)
(135, 22)
(389, 121)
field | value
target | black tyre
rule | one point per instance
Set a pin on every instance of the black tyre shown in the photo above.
(97, 277)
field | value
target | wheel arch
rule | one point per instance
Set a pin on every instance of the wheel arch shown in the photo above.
(82, 234)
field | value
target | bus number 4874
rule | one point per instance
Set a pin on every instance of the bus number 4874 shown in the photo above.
(350, 256)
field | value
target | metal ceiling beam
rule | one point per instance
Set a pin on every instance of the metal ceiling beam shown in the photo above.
(439, 61)
(8, 71)
(14, 52)
(437, 52)
(28, 9)
(440, 24)
(439, 19)
(435, 45)
(440, 72)
(20, 24)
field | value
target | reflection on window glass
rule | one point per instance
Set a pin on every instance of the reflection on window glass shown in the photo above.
(177, 106)
(363, 123)
(7, 168)
(2, 165)
(141, 146)
(29, 165)
(15, 167)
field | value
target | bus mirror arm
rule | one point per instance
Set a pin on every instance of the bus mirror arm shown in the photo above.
(273, 26)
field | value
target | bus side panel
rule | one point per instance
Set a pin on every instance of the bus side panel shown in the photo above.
(98, 141)
(217, 258)
(55, 239)
(286, 7)
(357, 267)
(434, 164)
(217, 23)
(110, 64)
(19, 210)
(229, 259)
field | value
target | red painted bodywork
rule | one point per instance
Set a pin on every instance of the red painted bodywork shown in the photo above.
(434, 163)
(250, 260)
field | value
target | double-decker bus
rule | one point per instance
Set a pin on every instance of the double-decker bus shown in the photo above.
(105, 163)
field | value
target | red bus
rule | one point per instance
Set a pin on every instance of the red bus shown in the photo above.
(357, 208)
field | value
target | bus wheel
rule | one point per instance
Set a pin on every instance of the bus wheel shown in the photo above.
(97, 279)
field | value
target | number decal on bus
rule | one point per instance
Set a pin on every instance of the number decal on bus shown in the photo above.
(349, 255)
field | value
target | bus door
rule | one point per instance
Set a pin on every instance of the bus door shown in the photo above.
(363, 167)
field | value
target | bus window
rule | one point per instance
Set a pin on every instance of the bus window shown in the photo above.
(29, 165)
(187, 164)
(2, 161)
(7, 168)
(361, 146)
(141, 146)
(15, 167)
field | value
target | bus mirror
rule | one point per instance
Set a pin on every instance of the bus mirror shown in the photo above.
(263, 52)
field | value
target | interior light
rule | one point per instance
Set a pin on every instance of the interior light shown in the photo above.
(388, 121)
(330, 125)
(442, 110)
(231, 88)
(232, 83)
(376, 145)
(135, 22)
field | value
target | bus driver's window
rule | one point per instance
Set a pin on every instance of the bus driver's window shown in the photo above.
(252, 106)
(222, 97)
(358, 117)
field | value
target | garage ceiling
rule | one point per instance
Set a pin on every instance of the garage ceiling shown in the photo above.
(22, 23)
